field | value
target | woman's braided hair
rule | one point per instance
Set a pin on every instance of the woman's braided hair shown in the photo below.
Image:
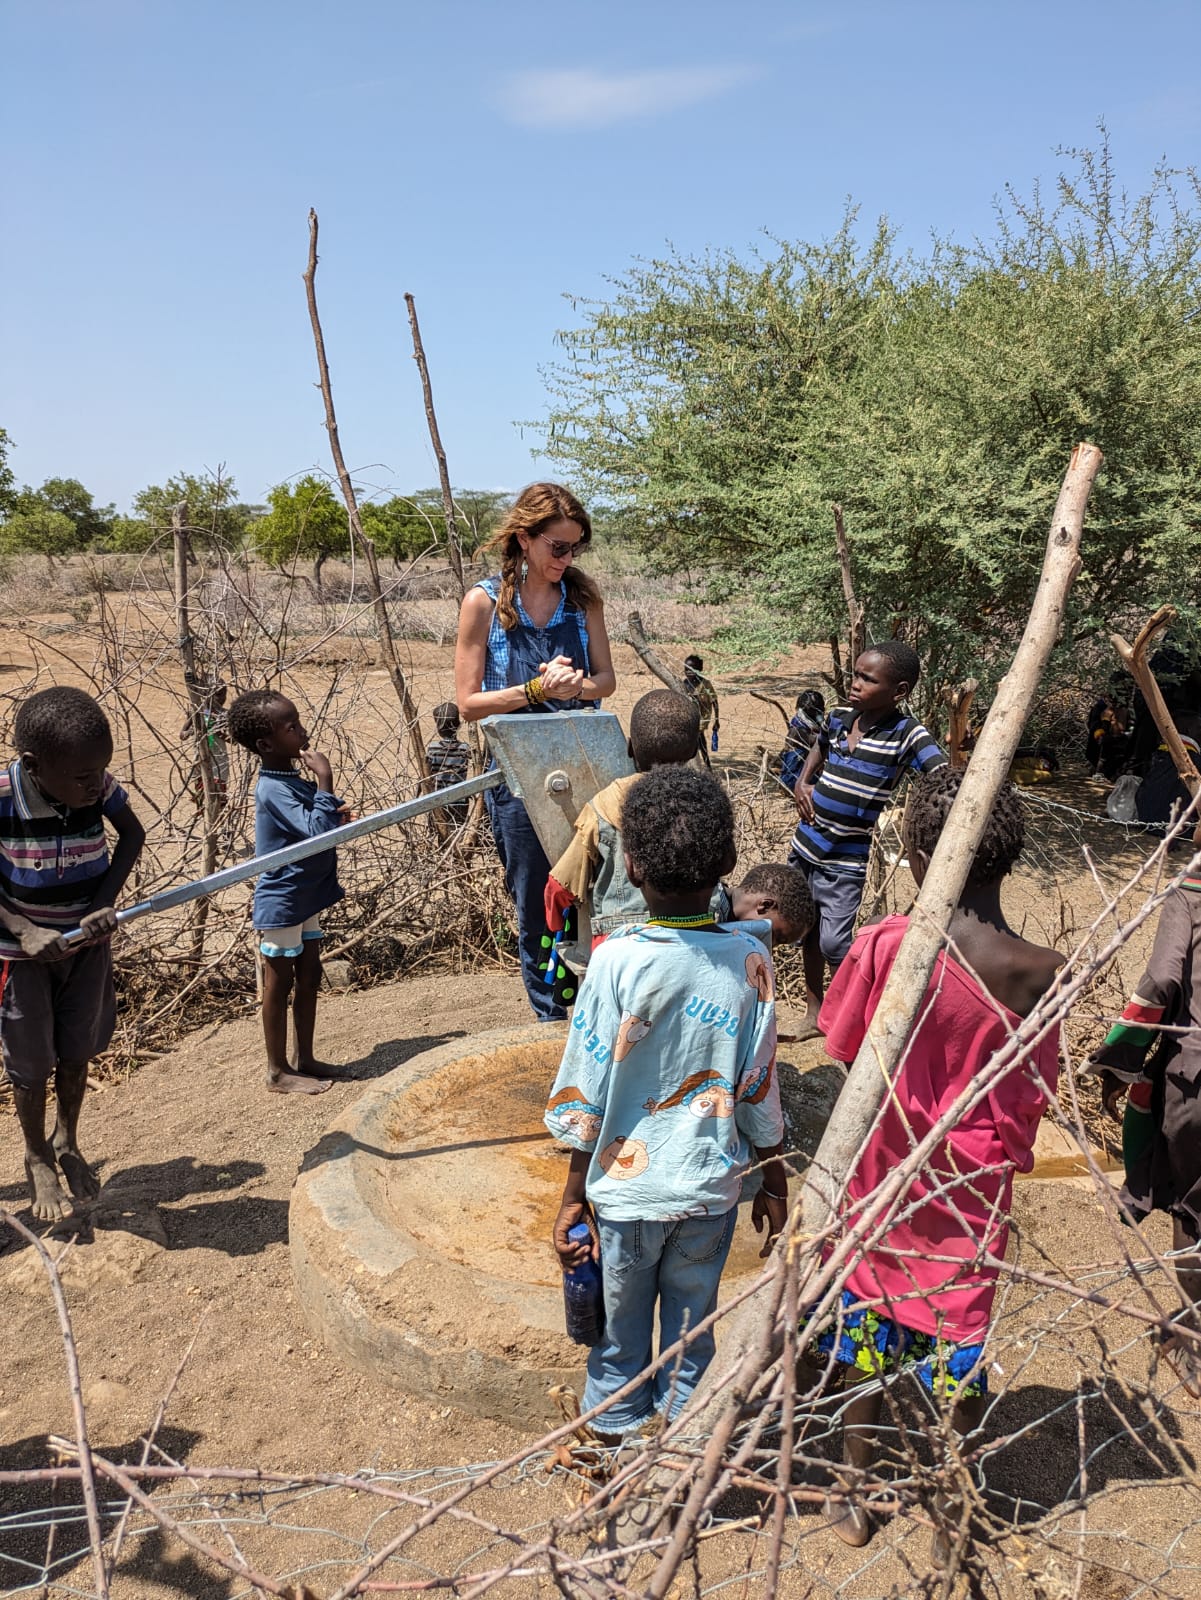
(533, 511)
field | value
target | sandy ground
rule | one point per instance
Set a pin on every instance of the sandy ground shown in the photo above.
(189, 1242)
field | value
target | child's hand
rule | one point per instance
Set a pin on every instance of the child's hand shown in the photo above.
(771, 1209)
(99, 925)
(1112, 1090)
(319, 766)
(803, 793)
(43, 944)
(572, 1252)
(345, 815)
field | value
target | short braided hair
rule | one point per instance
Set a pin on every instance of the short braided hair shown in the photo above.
(251, 717)
(930, 802)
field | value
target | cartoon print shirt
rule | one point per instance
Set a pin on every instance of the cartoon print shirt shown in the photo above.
(669, 1075)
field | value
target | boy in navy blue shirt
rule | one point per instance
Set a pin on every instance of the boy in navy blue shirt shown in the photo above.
(849, 776)
(288, 901)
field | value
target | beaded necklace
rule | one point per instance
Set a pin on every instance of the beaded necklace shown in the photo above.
(703, 919)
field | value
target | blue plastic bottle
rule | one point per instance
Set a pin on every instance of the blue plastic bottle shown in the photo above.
(713, 740)
(583, 1294)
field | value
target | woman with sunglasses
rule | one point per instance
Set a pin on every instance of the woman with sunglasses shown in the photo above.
(532, 638)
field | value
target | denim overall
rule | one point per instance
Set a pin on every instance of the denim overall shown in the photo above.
(524, 861)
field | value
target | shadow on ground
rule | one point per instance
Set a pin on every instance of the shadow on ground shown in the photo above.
(43, 1526)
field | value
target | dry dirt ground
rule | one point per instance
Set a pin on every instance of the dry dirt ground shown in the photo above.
(189, 1242)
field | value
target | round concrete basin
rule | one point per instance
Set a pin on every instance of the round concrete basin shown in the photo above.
(420, 1226)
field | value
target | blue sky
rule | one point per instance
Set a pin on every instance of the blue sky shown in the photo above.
(161, 157)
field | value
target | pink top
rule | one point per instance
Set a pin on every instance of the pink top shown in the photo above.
(928, 1272)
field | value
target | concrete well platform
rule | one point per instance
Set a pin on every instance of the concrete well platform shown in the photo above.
(420, 1224)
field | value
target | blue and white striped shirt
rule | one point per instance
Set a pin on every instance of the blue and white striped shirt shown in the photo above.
(854, 788)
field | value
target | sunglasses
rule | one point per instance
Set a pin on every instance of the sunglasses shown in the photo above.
(564, 547)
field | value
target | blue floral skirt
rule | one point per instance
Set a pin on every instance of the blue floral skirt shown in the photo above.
(861, 1337)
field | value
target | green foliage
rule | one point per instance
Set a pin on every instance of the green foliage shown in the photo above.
(39, 530)
(406, 526)
(68, 497)
(304, 520)
(722, 406)
(7, 481)
(214, 515)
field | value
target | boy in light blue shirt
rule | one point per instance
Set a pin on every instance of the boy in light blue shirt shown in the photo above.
(289, 900)
(667, 1093)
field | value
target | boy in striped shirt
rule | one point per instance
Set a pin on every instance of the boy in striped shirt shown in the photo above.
(849, 775)
(58, 1007)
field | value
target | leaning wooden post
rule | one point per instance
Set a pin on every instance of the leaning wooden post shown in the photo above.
(649, 655)
(889, 1029)
(1134, 659)
(751, 1335)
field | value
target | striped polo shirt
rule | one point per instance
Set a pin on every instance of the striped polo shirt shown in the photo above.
(51, 857)
(854, 787)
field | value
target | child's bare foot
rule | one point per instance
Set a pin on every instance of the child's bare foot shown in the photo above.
(289, 1082)
(322, 1069)
(49, 1202)
(81, 1180)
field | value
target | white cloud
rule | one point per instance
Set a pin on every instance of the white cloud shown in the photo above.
(579, 97)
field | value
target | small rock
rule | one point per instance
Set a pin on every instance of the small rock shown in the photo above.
(338, 974)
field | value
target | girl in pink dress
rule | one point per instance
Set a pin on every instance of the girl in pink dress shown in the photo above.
(921, 1296)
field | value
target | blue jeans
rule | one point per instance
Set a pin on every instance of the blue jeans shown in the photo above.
(678, 1264)
(526, 871)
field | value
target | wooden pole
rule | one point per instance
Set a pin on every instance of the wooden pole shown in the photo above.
(750, 1334)
(1134, 659)
(889, 1029)
(958, 699)
(378, 605)
(649, 655)
(198, 708)
(453, 545)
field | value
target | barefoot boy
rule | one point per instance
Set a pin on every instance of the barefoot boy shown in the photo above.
(854, 766)
(58, 1007)
(667, 1092)
(288, 901)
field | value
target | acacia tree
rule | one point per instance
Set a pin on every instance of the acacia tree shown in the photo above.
(723, 406)
(305, 520)
(215, 515)
(66, 497)
(39, 530)
(406, 526)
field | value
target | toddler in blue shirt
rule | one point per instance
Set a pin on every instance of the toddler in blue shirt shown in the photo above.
(288, 901)
(667, 1093)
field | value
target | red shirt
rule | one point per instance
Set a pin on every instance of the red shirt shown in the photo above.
(928, 1272)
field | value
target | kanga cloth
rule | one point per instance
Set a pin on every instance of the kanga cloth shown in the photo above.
(1161, 1135)
(935, 1269)
(864, 1338)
